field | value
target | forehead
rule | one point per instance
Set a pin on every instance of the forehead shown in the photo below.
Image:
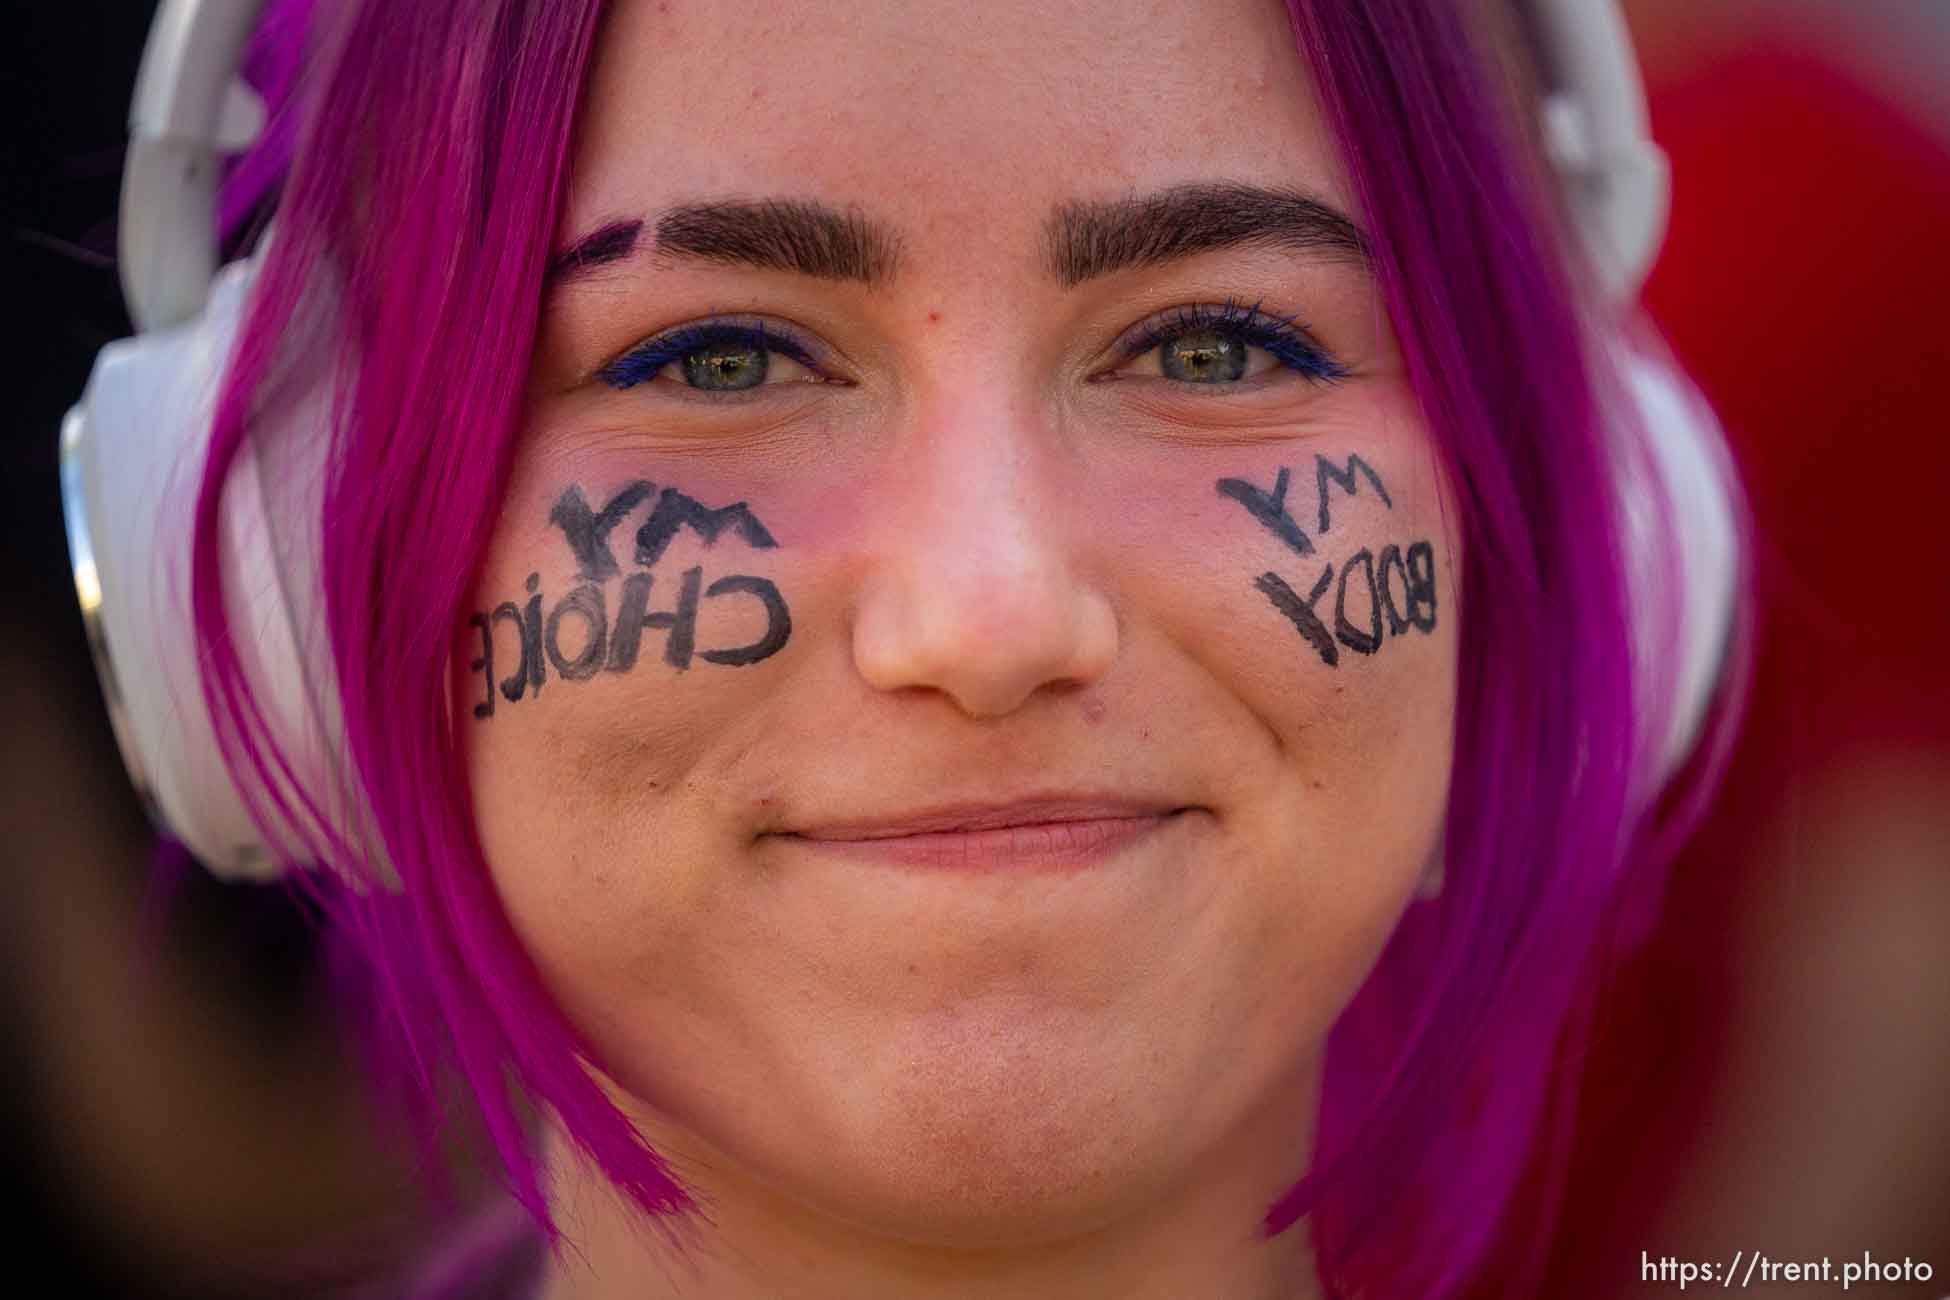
(962, 126)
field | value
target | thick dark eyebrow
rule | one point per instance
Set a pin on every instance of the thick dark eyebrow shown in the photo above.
(796, 235)
(1085, 240)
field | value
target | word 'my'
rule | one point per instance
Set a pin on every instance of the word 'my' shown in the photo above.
(1399, 584)
(581, 635)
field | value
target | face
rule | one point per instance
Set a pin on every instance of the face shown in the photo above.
(965, 667)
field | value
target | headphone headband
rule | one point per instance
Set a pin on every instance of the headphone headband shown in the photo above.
(1598, 137)
(188, 112)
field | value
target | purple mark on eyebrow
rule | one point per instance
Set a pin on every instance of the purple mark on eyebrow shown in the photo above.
(610, 243)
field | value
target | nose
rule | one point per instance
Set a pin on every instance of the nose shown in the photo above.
(977, 590)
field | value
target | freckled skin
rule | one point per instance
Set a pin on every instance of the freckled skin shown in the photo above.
(1008, 571)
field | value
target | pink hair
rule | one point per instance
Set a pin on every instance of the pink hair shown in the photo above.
(428, 168)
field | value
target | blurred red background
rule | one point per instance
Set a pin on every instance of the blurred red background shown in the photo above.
(1774, 1071)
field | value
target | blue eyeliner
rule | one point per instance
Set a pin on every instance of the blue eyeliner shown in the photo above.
(1284, 338)
(643, 362)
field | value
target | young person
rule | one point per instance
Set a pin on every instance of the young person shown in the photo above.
(953, 652)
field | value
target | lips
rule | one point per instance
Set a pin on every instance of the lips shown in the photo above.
(1039, 811)
(1044, 832)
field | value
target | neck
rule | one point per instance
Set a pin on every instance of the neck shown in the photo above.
(1202, 1236)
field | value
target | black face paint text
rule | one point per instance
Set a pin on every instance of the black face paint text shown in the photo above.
(1377, 595)
(583, 635)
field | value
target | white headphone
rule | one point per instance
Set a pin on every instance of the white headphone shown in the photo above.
(133, 447)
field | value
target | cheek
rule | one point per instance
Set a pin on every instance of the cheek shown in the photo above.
(623, 637)
(1317, 579)
(1312, 589)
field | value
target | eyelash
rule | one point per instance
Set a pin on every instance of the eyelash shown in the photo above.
(1284, 338)
(643, 362)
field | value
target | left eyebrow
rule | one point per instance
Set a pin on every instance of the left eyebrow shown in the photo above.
(796, 235)
(1082, 241)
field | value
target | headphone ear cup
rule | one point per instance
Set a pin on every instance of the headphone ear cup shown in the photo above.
(1682, 512)
(133, 452)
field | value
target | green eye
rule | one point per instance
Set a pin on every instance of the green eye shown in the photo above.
(726, 367)
(1203, 357)
(715, 356)
(1224, 346)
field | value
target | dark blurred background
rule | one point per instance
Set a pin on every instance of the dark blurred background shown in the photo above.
(1772, 1073)
(179, 1117)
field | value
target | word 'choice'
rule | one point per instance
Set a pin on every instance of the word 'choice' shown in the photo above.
(582, 634)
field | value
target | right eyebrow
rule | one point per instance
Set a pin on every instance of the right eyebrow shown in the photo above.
(797, 235)
(1085, 240)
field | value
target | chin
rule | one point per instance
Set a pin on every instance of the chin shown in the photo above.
(986, 1130)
